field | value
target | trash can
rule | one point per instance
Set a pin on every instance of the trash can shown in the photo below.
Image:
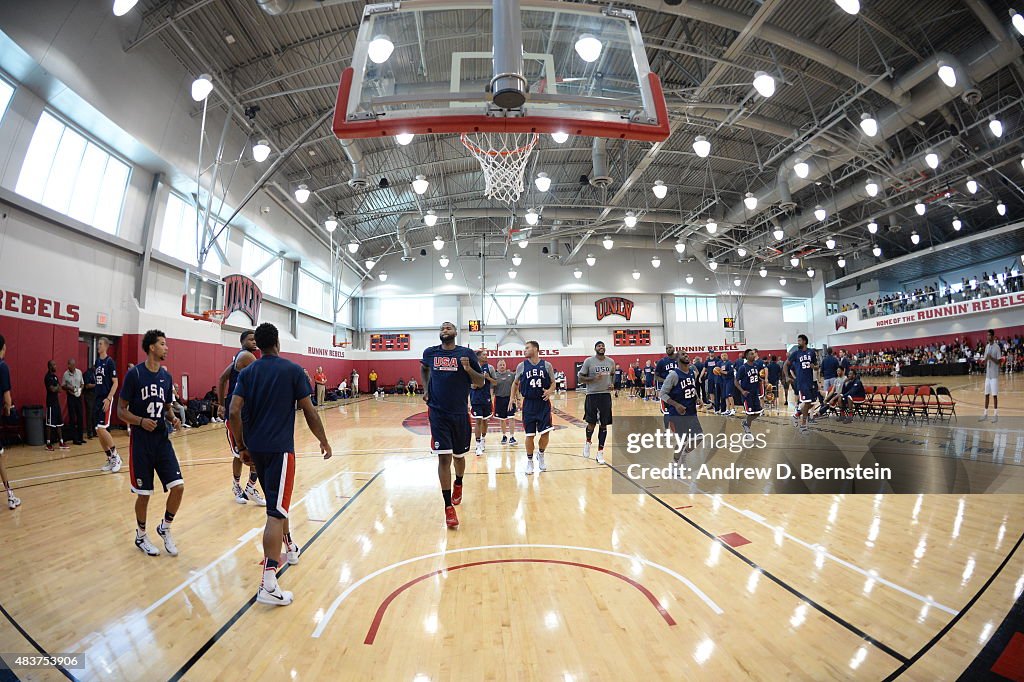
(34, 416)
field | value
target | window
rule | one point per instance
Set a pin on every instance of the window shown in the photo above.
(254, 257)
(509, 305)
(314, 294)
(414, 311)
(794, 310)
(6, 94)
(178, 235)
(696, 309)
(72, 175)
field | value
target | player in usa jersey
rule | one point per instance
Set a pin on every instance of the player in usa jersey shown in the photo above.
(799, 367)
(6, 405)
(105, 372)
(680, 394)
(480, 401)
(749, 385)
(145, 403)
(448, 372)
(534, 381)
(225, 390)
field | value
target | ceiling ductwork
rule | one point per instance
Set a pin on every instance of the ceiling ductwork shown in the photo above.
(358, 180)
(600, 177)
(402, 236)
(276, 7)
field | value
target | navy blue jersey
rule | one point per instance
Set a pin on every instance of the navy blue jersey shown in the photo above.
(270, 387)
(661, 370)
(759, 363)
(697, 367)
(844, 364)
(729, 372)
(89, 377)
(449, 385)
(534, 379)
(52, 397)
(749, 377)
(5, 379)
(618, 376)
(233, 378)
(801, 365)
(710, 366)
(853, 388)
(648, 376)
(105, 372)
(684, 392)
(482, 395)
(829, 367)
(147, 394)
(774, 372)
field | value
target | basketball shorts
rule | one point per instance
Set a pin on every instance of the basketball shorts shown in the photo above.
(752, 403)
(807, 392)
(147, 456)
(276, 472)
(101, 417)
(503, 407)
(54, 416)
(597, 407)
(450, 434)
(992, 387)
(737, 394)
(231, 442)
(683, 424)
(618, 384)
(536, 417)
(481, 410)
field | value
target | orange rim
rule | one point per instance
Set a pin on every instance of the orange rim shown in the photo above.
(493, 152)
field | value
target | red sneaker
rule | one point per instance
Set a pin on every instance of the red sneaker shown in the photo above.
(49, 447)
(450, 518)
(457, 493)
(65, 446)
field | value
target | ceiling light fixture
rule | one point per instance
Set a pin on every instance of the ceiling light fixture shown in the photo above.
(383, 276)
(202, 87)
(972, 185)
(448, 274)
(741, 252)
(849, 6)
(443, 260)
(794, 261)
(763, 271)
(512, 274)
(996, 126)
(122, 7)
(369, 263)
(543, 182)
(438, 243)
(778, 234)
(379, 49)
(577, 273)
(801, 168)
(420, 184)
(517, 260)
(947, 75)
(872, 227)
(404, 138)
(301, 194)
(1018, 21)
(588, 47)
(932, 159)
(680, 245)
(430, 218)
(689, 279)
(919, 208)
(331, 224)
(841, 262)
(782, 281)
(750, 201)
(713, 264)
(655, 262)
(915, 238)
(764, 84)
(608, 242)
(630, 219)
(260, 151)
(1001, 208)
(590, 260)
(810, 272)
(871, 187)
(712, 226)
(636, 274)
(353, 246)
(868, 124)
(736, 282)
(701, 146)
(876, 250)
(957, 224)
(820, 213)
(660, 189)
(559, 137)
(830, 242)
(532, 217)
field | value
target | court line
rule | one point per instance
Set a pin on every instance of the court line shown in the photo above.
(771, 576)
(459, 550)
(252, 600)
(378, 617)
(955, 619)
(34, 643)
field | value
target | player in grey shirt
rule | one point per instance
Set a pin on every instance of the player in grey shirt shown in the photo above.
(993, 354)
(504, 408)
(596, 374)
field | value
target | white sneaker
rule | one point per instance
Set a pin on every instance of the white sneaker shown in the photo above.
(275, 597)
(586, 450)
(145, 546)
(746, 428)
(730, 413)
(600, 456)
(541, 465)
(983, 417)
(995, 419)
(165, 533)
(479, 448)
(529, 466)
(109, 465)
(236, 491)
(254, 496)
(292, 553)
(115, 464)
(12, 501)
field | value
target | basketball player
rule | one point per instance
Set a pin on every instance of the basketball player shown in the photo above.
(799, 367)
(665, 364)
(480, 401)
(679, 394)
(531, 390)
(505, 409)
(145, 402)
(732, 396)
(993, 354)
(225, 389)
(773, 371)
(596, 375)
(748, 383)
(618, 380)
(105, 372)
(648, 381)
(448, 371)
(6, 405)
(262, 420)
(54, 415)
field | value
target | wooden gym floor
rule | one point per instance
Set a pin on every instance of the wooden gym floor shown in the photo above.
(550, 577)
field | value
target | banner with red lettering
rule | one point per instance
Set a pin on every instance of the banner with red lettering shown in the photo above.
(40, 308)
(851, 321)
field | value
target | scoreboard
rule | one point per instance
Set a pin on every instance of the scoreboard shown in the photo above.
(632, 337)
(390, 342)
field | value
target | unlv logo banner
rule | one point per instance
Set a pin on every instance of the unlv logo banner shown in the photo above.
(842, 322)
(241, 293)
(613, 305)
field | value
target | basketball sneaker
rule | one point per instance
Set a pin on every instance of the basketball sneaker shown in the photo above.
(504, 440)
(292, 552)
(145, 546)
(254, 496)
(479, 448)
(275, 596)
(600, 456)
(512, 441)
(109, 465)
(49, 446)
(529, 466)
(586, 450)
(450, 518)
(240, 497)
(165, 533)
(12, 501)
(64, 446)
(456, 494)
(115, 464)
(746, 428)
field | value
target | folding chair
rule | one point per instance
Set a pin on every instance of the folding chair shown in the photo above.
(908, 403)
(944, 403)
(926, 401)
(894, 403)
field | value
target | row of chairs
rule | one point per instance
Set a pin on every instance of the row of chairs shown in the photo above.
(907, 403)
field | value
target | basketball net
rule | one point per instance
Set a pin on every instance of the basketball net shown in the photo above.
(502, 158)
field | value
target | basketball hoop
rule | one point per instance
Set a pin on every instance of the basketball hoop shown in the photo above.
(216, 316)
(502, 158)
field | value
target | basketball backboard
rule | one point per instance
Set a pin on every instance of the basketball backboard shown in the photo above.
(426, 66)
(203, 295)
